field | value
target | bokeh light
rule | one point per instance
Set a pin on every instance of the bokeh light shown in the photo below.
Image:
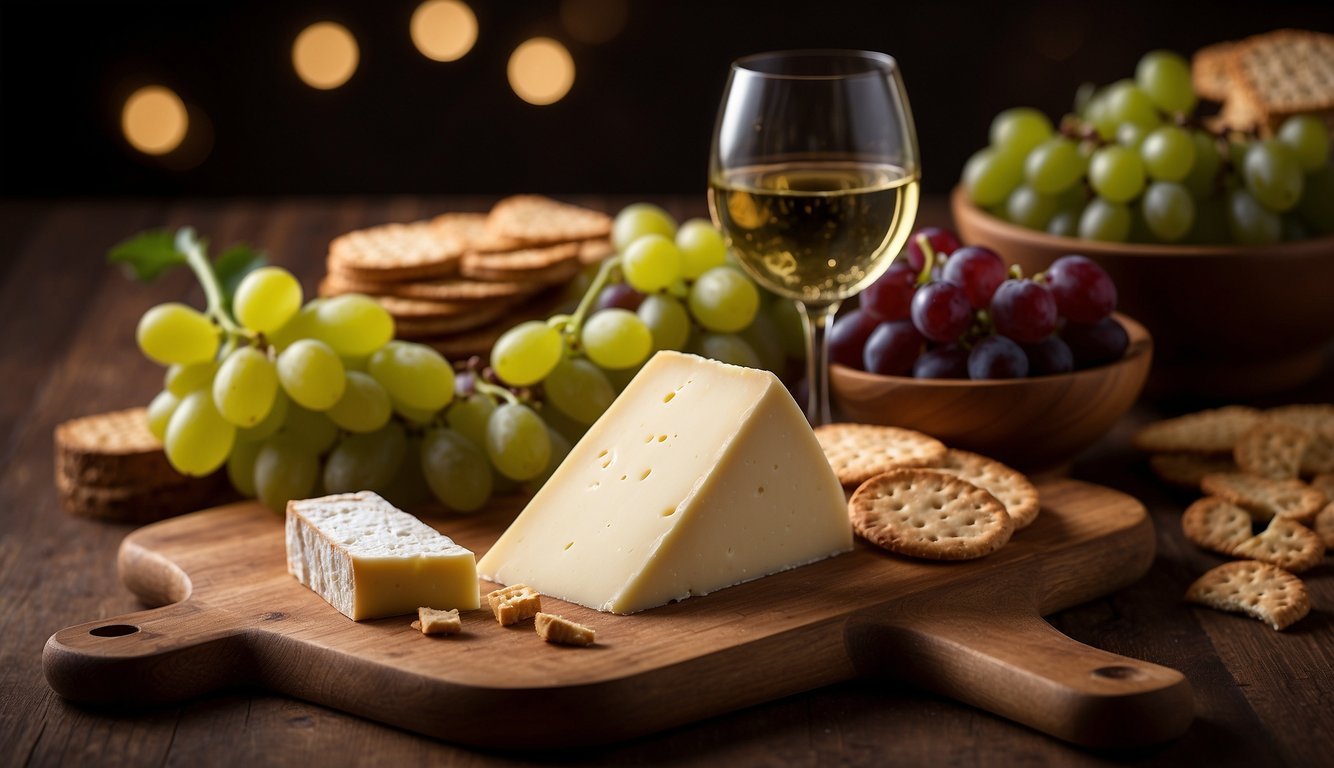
(443, 30)
(325, 55)
(154, 120)
(541, 71)
(594, 21)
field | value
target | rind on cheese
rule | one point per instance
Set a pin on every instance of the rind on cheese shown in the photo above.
(370, 560)
(701, 475)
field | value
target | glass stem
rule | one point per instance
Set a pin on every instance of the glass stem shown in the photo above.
(817, 318)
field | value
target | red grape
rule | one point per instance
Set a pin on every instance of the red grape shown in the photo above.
(1084, 293)
(1049, 356)
(997, 357)
(890, 297)
(941, 312)
(979, 270)
(848, 337)
(619, 295)
(892, 348)
(1102, 342)
(1024, 311)
(942, 242)
(947, 362)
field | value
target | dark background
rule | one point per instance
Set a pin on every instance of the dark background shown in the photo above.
(638, 119)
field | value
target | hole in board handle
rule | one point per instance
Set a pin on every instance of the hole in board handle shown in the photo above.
(113, 630)
(1116, 672)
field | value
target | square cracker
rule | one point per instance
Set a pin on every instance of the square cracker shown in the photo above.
(1259, 590)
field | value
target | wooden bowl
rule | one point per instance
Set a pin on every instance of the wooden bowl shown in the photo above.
(1032, 424)
(1227, 321)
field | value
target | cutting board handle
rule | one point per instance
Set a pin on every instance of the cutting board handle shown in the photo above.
(1064, 688)
(157, 656)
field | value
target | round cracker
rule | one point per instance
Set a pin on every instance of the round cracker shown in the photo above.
(1215, 431)
(537, 219)
(1259, 590)
(1009, 486)
(1265, 498)
(396, 252)
(858, 452)
(927, 514)
(1216, 525)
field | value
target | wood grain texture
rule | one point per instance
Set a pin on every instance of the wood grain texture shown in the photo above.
(68, 349)
(968, 630)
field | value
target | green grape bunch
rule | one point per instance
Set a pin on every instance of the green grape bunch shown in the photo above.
(1134, 163)
(294, 399)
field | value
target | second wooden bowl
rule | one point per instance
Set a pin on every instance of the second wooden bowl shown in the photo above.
(1034, 424)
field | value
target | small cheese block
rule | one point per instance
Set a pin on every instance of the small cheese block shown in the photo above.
(701, 475)
(371, 560)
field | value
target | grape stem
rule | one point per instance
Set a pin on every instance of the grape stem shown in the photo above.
(495, 391)
(571, 324)
(189, 246)
(928, 260)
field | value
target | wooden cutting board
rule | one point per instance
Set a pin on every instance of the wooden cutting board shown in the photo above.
(972, 630)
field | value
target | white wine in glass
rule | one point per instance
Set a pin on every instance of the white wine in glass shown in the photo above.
(814, 181)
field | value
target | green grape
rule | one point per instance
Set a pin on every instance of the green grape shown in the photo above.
(266, 299)
(414, 415)
(455, 470)
(1029, 208)
(364, 406)
(635, 221)
(1053, 166)
(1065, 223)
(1116, 174)
(1169, 210)
(160, 411)
(468, 416)
(301, 326)
(1131, 135)
(727, 348)
(762, 336)
(724, 300)
(1139, 227)
(312, 374)
(270, 424)
(990, 175)
(1203, 176)
(354, 325)
(560, 448)
(1317, 204)
(366, 461)
(413, 374)
(1126, 102)
(1101, 119)
(198, 439)
(1165, 77)
(309, 429)
(409, 487)
(651, 263)
(1106, 221)
(181, 380)
(1293, 227)
(1168, 153)
(526, 353)
(176, 334)
(681, 289)
(571, 429)
(245, 387)
(1211, 227)
(1273, 175)
(621, 378)
(1308, 139)
(517, 442)
(284, 471)
(667, 321)
(1251, 222)
(356, 363)
(241, 467)
(702, 248)
(578, 389)
(791, 331)
(1019, 130)
(616, 338)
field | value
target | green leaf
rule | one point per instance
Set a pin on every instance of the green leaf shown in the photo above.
(147, 254)
(233, 264)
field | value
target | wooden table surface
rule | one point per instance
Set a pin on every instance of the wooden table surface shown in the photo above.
(67, 349)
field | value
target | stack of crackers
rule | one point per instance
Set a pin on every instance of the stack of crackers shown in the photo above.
(459, 280)
(111, 467)
(915, 497)
(1268, 477)
(1263, 80)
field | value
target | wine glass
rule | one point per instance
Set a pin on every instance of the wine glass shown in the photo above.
(813, 179)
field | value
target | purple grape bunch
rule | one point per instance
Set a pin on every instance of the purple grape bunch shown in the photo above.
(949, 311)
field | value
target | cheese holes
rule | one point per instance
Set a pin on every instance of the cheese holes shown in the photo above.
(667, 398)
(647, 472)
(568, 545)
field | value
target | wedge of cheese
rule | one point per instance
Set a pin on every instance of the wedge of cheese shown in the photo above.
(699, 476)
(370, 560)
